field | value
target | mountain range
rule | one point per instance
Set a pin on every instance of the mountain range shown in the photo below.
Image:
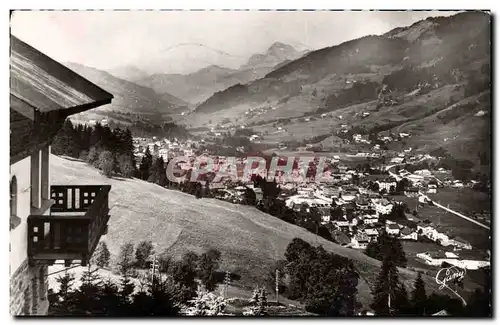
(429, 79)
(130, 101)
(198, 86)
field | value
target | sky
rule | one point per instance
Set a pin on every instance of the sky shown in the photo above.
(169, 41)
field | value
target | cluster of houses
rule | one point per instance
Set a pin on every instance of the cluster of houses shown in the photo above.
(165, 148)
(360, 216)
(257, 111)
(464, 259)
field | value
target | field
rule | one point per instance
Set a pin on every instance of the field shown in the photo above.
(464, 200)
(471, 281)
(250, 241)
(459, 200)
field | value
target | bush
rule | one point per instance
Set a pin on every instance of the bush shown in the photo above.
(206, 304)
(143, 252)
(93, 156)
(84, 155)
(207, 265)
(106, 163)
(125, 165)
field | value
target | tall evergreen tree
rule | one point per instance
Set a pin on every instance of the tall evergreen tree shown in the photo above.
(96, 136)
(418, 296)
(387, 245)
(146, 163)
(129, 146)
(388, 294)
(157, 173)
(101, 255)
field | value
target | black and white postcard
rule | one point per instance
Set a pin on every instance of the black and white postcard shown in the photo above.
(250, 163)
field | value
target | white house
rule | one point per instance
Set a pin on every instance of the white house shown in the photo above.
(408, 234)
(397, 160)
(423, 172)
(432, 233)
(382, 206)
(415, 179)
(392, 229)
(372, 233)
(370, 219)
(296, 201)
(459, 243)
(341, 224)
(386, 184)
(432, 188)
(43, 94)
(438, 258)
(360, 240)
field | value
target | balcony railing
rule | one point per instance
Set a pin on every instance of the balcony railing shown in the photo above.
(77, 219)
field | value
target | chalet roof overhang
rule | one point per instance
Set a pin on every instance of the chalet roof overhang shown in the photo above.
(46, 85)
(43, 93)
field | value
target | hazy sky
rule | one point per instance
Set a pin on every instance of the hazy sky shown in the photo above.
(107, 39)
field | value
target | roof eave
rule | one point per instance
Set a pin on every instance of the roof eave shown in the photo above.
(86, 107)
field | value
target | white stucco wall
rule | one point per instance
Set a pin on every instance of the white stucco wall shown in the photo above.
(18, 236)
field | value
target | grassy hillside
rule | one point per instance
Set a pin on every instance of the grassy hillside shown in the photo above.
(250, 241)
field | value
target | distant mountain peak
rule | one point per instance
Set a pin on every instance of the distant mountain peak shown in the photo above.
(279, 46)
(275, 54)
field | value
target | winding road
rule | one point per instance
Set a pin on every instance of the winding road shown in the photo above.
(427, 199)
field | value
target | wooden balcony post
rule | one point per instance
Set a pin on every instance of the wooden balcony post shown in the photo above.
(35, 179)
(45, 173)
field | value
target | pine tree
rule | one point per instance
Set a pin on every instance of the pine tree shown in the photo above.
(207, 265)
(143, 253)
(388, 294)
(146, 163)
(387, 245)
(101, 255)
(262, 311)
(125, 264)
(96, 136)
(255, 296)
(157, 173)
(418, 296)
(125, 260)
(125, 166)
(206, 190)
(259, 302)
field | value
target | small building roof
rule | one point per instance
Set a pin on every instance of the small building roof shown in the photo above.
(406, 231)
(371, 231)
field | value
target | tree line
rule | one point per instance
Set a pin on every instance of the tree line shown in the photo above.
(110, 150)
(163, 293)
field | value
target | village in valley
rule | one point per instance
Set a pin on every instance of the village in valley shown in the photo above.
(357, 198)
(296, 173)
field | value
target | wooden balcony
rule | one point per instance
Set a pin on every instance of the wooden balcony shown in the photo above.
(77, 220)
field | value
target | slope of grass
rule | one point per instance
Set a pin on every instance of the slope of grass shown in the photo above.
(250, 241)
